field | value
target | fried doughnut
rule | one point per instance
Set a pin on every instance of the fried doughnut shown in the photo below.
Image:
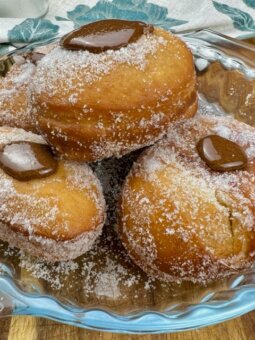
(91, 106)
(54, 218)
(15, 104)
(181, 220)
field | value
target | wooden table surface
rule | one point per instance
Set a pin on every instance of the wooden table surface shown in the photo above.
(29, 328)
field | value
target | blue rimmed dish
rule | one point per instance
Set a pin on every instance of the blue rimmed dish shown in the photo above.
(104, 290)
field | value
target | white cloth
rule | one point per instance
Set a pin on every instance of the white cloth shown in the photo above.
(231, 17)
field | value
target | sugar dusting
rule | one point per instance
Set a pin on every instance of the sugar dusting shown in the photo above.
(112, 274)
(40, 270)
(194, 193)
(106, 127)
(15, 104)
(63, 64)
(106, 270)
(30, 211)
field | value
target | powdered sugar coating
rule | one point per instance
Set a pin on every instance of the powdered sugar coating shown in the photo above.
(15, 103)
(205, 219)
(93, 106)
(27, 213)
(63, 64)
(106, 271)
(50, 250)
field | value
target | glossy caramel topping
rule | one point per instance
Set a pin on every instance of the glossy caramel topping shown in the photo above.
(105, 35)
(221, 154)
(26, 160)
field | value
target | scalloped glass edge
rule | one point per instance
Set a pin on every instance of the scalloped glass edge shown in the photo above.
(211, 310)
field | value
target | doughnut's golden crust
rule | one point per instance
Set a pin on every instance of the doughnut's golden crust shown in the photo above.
(182, 221)
(123, 108)
(62, 214)
(78, 210)
(15, 103)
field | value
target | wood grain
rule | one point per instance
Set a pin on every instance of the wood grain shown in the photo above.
(29, 328)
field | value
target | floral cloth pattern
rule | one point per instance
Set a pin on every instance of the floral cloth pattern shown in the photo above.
(233, 17)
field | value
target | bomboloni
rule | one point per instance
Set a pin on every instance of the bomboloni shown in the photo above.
(49, 208)
(187, 207)
(102, 92)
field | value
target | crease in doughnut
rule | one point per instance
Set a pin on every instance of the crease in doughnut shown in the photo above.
(93, 106)
(179, 219)
(55, 218)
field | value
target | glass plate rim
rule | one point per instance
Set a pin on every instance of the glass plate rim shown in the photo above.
(195, 316)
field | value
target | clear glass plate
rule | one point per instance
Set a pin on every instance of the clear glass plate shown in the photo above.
(103, 289)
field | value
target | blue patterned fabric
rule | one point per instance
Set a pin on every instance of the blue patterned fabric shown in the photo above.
(231, 17)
